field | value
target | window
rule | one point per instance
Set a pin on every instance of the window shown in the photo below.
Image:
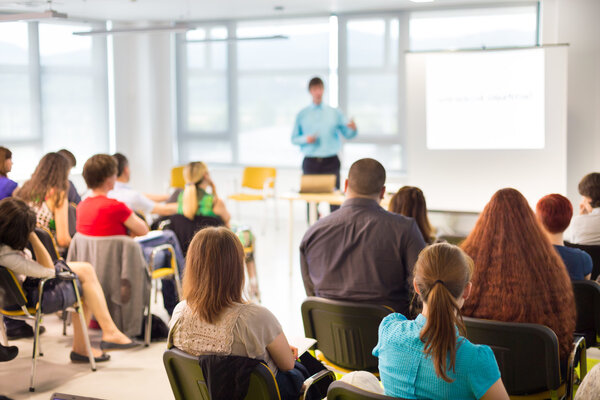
(54, 91)
(273, 80)
(474, 29)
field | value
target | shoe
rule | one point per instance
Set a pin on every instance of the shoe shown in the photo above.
(22, 332)
(8, 353)
(80, 358)
(109, 346)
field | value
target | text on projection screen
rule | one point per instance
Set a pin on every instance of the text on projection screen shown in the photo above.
(485, 100)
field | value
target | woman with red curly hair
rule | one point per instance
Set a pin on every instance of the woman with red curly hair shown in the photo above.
(518, 275)
(554, 213)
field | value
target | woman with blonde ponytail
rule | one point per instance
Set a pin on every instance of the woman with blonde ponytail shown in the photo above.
(195, 200)
(429, 357)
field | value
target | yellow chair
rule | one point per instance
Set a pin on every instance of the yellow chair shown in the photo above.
(258, 184)
(177, 180)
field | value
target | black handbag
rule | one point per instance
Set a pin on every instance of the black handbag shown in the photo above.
(58, 293)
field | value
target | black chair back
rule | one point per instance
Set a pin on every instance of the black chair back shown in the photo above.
(72, 219)
(527, 354)
(346, 332)
(185, 229)
(12, 291)
(188, 382)
(587, 302)
(594, 252)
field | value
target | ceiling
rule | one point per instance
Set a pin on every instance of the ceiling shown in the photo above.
(200, 10)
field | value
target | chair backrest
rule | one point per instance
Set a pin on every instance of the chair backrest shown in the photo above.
(594, 252)
(185, 229)
(187, 381)
(346, 332)
(256, 177)
(527, 354)
(177, 180)
(49, 243)
(587, 302)
(72, 219)
(12, 291)
(340, 390)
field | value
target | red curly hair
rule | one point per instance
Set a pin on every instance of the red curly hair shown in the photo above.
(518, 276)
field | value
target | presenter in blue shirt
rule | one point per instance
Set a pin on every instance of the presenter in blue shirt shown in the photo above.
(317, 131)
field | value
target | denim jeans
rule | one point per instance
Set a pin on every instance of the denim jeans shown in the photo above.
(163, 260)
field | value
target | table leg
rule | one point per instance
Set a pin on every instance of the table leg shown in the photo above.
(312, 212)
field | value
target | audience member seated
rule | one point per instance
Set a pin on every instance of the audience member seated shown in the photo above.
(585, 227)
(554, 213)
(410, 202)
(362, 252)
(195, 200)
(590, 386)
(7, 186)
(46, 193)
(214, 319)
(135, 200)
(73, 196)
(429, 358)
(519, 276)
(17, 224)
(99, 215)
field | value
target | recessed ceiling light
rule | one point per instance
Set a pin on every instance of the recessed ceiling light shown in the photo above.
(422, 1)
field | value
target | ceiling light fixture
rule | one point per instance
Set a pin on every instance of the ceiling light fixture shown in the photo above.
(32, 16)
(177, 28)
(238, 39)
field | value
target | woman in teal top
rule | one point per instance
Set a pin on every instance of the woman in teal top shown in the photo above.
(428, 358)
(195, 200)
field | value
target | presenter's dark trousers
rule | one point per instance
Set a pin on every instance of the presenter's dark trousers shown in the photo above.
(323, 166)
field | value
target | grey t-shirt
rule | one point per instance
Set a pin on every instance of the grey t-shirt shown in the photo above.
(242, 330)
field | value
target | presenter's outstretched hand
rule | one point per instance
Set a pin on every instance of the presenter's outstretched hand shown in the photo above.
(351, 125)
(311, 139)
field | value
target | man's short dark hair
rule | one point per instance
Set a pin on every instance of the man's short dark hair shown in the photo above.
(98, 169)
(589, 186)
(122, 162)
(69, 156)
(366, 177)
(17, 221)
(316, 81)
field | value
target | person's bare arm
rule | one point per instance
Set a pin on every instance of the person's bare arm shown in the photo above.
(165, 209)
(41, 254)
(588, 277)
(282, 353)
(190, 201)
(220, 209)
(61, 219)
(157, 197)
(496, 392)
(136, 225)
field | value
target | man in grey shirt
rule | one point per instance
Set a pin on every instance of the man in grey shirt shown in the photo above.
(362, 252)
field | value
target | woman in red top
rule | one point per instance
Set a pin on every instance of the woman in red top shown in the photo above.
(98, 215)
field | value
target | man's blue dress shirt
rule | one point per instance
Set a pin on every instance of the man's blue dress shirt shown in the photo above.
(324, 122)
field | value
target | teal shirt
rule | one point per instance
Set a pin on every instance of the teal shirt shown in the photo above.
(406, 372)
(325, 122)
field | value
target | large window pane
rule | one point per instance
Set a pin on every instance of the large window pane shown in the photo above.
(210, 151)
(14, 47)
(307, 45)
(366, 43)
(373, 103)
(478, 28)
(15, 109)
(59, 47)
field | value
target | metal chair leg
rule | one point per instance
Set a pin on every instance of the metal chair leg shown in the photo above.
(3, 332)
(148, 323)
(36, 342)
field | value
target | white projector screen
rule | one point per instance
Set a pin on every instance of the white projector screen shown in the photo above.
(485, 100)
(460, 152)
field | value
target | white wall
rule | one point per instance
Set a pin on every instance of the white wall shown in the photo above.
(576, 22)
(144, 124)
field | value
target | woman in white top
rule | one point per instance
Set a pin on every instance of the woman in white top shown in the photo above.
(17, 224)
(213, 318)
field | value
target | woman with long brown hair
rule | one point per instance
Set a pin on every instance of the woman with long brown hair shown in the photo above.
(410, 202)
(46, 192)
(518, 275)
(214, 318)
(428, 358)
